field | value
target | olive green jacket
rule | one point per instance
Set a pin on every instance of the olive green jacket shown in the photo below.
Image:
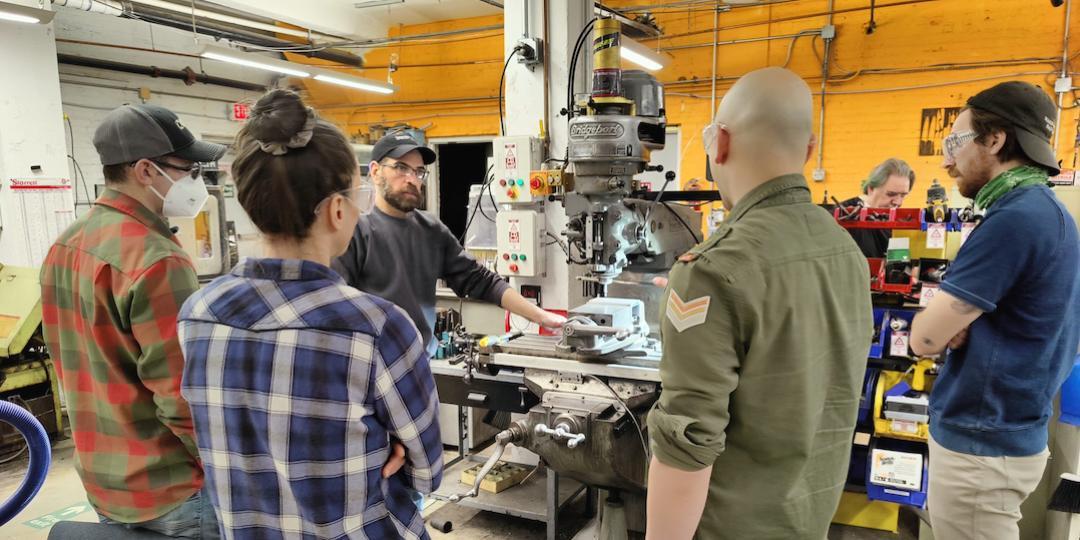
(765, 329)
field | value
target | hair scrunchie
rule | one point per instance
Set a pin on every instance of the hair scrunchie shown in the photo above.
(299, 140)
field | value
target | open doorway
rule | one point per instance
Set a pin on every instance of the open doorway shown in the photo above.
(460, 165)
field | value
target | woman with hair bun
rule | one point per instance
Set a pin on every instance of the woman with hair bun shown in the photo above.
(313, 403)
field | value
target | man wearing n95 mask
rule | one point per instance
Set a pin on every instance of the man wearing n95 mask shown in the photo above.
(111, 289)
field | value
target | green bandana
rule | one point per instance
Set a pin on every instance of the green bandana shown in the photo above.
(1024, 175)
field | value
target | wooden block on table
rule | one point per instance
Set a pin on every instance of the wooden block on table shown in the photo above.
(502, 476)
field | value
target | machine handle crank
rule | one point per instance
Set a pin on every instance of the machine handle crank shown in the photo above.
(595, 330)
(516, 433)
(561, 432)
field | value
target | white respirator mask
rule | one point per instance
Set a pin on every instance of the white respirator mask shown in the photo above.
(185, 198)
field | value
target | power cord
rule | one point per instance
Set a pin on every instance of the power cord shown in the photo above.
(78, 169)
(578, 45)
(502, 78)
(630, 413)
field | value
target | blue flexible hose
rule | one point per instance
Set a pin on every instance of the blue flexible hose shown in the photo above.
(40, 458)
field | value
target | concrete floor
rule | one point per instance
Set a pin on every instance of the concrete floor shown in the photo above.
(63, 498)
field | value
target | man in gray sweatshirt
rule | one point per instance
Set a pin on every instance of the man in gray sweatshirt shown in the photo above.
(399, 252)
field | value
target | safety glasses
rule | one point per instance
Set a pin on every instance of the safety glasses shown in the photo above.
(953, 142)
(362, 197)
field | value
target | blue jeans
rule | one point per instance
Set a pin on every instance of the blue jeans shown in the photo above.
(194, 519)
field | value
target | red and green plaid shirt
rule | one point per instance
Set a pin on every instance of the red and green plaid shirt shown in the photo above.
(111, 288)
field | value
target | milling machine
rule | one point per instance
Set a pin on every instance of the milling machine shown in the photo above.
(582, 396)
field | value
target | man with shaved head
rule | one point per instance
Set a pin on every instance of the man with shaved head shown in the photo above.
(765, 333)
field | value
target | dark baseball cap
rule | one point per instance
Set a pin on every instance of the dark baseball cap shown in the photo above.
(133, 132)
(1030, 111)
(396, 145)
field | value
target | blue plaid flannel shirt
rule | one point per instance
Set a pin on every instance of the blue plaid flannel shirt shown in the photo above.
(297, 383)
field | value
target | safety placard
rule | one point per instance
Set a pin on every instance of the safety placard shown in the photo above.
(510, 157)
(896, 469)
(898, 344)
(41, 209)
(928, 292)
(514, 234)
(935, 236)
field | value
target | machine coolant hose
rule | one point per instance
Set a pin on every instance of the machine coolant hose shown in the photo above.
(40, 457)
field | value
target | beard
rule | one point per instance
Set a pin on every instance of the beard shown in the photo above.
(971, 179)
(405, 199)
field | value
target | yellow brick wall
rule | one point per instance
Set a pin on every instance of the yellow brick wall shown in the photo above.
(919, 56)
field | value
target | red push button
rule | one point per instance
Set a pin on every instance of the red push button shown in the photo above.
(502, 182)
(512, 193)
(513, 268)
(506, 256)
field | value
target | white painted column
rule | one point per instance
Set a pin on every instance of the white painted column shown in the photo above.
(32, 143)
(524, 105)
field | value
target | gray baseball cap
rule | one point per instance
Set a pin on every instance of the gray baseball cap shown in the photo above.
(133, 132)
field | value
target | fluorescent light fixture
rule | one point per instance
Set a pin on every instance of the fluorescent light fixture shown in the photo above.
(240, 58)
(357, 83)
(635, 52)
(24, 14)
(374, 3)
(5, 16)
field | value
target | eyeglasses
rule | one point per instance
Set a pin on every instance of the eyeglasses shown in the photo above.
(420, 173)
(954, 142)
(195, 170)
(362, 197)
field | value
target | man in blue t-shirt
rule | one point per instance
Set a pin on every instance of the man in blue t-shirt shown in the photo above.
(1008, 314)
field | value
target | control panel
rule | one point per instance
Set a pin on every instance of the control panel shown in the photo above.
(515, 158)
(520, 243)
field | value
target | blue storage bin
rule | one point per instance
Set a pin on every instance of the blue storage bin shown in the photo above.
(887, 493)
(1070, 396)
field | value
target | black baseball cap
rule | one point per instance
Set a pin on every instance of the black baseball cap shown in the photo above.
(1030, 111)
(133, 132)
(396, 145)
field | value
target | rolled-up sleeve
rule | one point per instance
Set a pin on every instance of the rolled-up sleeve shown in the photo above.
(699, 369)
(1000, 253)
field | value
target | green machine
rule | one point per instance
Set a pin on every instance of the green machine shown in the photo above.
(27, 375)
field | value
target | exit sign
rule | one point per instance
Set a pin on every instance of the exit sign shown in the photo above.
(238, 112)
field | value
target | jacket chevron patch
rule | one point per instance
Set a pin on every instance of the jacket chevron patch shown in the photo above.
(687, 314)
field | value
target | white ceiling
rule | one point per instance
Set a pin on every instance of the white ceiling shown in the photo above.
(339, 17)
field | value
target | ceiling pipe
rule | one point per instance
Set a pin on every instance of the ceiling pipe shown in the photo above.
(1064, 75)
(242, 34)
(188, 11)
(187, 75)
(104, 7)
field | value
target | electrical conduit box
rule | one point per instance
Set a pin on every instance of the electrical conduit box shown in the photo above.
(515, 158)
(520, 243)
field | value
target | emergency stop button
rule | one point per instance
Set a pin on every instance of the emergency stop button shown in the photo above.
(513, 268)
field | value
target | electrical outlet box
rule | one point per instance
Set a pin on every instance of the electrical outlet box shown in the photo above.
(1062, 85)
(819, 175)
(531, 52)
(515, 158)
(828, 31)
(520, 243)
